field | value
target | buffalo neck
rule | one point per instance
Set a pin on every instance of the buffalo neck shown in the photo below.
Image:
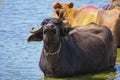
(51, 47)
(51, 52)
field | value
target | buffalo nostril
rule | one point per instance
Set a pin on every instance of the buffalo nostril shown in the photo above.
(52, 26)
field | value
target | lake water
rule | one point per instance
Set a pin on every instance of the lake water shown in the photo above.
(18, 58)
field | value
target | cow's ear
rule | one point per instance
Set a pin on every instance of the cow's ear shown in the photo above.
(70, 5)
(66, 30)
(36, 36)
(56, 5)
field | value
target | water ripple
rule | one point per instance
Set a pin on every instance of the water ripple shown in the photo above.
(18, 58)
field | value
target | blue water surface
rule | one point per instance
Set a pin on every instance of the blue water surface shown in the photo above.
(18, 58)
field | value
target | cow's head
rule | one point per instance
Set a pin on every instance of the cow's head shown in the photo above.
(51, 27)
(61, 8)
(51, 32)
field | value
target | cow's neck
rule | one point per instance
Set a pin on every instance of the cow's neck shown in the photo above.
(51, 47)
(51, 51)
(70, 15)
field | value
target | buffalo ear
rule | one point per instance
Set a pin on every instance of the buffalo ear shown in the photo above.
(37, 36)
(66, 30)
(56, 5)
(70, 5)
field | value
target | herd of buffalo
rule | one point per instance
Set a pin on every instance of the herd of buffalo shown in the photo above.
(79, 40)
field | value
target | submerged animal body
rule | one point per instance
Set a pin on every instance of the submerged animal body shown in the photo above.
(87, 14)
(74, 51)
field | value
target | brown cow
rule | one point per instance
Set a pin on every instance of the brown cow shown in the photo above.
(74, 51)
(87, 14)
(75, 16)
(112, 5)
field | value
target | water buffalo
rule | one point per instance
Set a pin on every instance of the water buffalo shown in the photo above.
(87, 14)
(74, 51)
(113, 4)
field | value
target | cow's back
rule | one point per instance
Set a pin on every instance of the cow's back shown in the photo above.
(85, 15)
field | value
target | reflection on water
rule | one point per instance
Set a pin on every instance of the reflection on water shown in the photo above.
(18, 58)
(101, 76)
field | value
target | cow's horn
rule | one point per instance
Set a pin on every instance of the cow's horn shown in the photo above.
(35, 31)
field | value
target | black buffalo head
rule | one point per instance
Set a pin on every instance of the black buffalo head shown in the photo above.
(51, 31)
